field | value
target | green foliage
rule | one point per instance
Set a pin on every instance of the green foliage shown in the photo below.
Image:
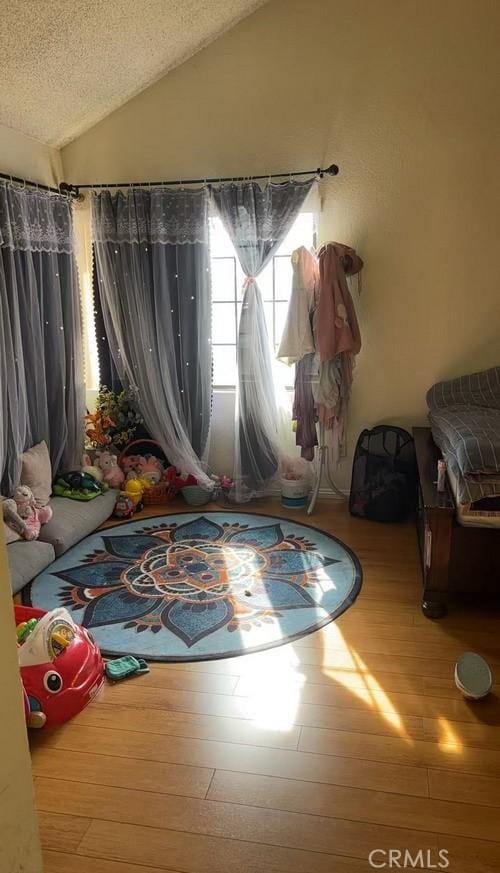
(121, 408)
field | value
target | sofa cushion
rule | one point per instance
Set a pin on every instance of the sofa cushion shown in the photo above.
(36, 472)
(26, 560)
(75, 519)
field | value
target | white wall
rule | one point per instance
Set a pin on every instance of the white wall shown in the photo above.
(19, 845)
(29, 159)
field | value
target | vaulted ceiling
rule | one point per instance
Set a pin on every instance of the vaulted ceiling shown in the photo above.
(65, 64)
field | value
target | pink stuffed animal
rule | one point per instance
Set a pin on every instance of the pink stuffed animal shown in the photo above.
(112, 474)
(22, 514)
(151, 469)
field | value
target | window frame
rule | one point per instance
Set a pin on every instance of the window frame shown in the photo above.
(236, 301)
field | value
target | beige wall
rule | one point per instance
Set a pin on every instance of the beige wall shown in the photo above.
(403, 95)
(25, 157)
(19, 847)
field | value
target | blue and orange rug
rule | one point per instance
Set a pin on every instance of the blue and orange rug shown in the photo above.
(192, 586)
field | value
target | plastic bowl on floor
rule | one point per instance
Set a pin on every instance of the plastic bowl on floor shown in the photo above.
(196, 495)
(473, 676)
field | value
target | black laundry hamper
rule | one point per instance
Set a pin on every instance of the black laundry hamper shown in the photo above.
(384, 475)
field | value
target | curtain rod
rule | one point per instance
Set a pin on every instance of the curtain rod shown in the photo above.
(67, 189)
(332, 170)
(63, 188)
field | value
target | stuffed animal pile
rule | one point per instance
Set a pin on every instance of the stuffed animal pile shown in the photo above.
(143, 472)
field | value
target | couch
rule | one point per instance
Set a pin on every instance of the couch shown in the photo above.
(72, 521)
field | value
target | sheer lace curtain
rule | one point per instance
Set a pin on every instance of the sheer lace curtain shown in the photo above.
(257, 219)
(41, 362)
(152, 265)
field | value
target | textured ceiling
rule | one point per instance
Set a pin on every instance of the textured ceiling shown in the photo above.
(65, 64)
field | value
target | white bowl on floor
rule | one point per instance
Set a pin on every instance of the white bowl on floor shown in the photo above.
(473, 676)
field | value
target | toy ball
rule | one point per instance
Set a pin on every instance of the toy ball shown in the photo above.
(473, 676)
(61, 666)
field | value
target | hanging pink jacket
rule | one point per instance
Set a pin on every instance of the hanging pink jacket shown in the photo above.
(337, 328)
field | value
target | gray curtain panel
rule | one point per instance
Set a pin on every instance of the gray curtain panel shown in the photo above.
(153, 277)
(41, 361)
(257, 220)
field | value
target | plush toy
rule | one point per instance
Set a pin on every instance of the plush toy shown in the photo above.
(112, 474)
(92, 469)
(173, 477)
(151, 468)
(78, 486)
(133, 488)
(21, 513)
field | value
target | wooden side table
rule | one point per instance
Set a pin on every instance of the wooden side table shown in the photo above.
(435, 519)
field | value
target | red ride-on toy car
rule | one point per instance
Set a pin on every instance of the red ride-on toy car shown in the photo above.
(61, 666)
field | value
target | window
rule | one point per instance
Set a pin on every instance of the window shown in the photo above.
(275, 283)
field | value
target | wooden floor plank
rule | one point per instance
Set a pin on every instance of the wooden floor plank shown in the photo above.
(355, 804)
(272, 694)
(471, 856)
(353, 771)
(195, 853)
(57, 862)
(312, 833)
(63, 832)
(465, 788)
(417, 753)
(479, 735)
(111, 771)
(273, 704)
(185, 724)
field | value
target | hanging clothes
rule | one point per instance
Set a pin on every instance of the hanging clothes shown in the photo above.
(338, 340)
(298, 347)
(337, 328)
(304, 414)
(297, 339)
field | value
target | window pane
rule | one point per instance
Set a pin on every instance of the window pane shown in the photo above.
(300, 234)
(281, 310)
(240, 278)
(220, 244)
(265, 281)
(223, 278)
(224, 364)
(282, 278)
(223, 323)
(268, 311)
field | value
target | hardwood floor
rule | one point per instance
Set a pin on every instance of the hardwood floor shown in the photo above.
(302, 759)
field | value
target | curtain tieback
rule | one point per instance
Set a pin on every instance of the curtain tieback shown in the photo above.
(249, 280)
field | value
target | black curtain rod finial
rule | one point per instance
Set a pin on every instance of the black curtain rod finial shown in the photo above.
(332, 170)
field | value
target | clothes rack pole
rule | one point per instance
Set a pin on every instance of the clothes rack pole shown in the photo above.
(322, 465)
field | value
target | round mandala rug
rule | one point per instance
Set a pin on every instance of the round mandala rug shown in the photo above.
(192, 586)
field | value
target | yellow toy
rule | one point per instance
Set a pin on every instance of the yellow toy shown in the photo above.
(133, 488)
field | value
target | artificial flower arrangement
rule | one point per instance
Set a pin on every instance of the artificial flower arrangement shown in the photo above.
(98, 429)
(119, 408)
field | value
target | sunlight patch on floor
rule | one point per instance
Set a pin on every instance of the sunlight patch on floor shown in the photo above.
(275, 690)
(448, 740)
(369, 690)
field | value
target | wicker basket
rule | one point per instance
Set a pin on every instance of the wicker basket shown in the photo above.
(164, 491)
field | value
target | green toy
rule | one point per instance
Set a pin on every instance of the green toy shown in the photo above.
(78, 486)
(24, 629)
(121, 668)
